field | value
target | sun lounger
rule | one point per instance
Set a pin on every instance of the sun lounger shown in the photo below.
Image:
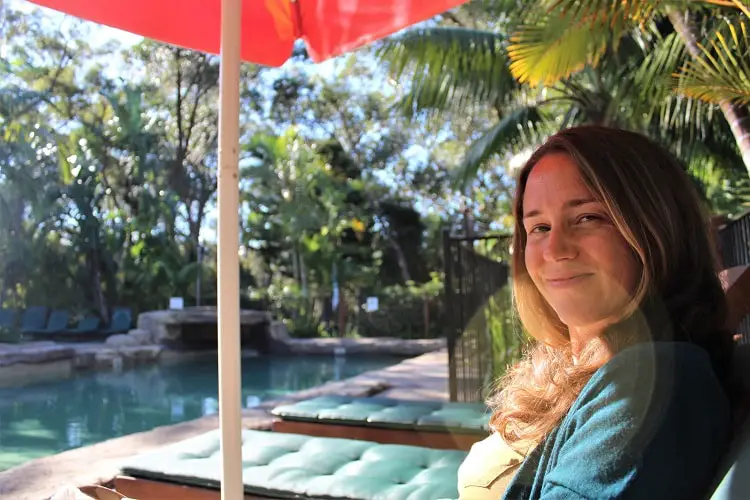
(87, 327)
(9, 333)
(286, 466)
(57, 322)
(121, 321)
(434, 424)
(33, 318)
(8, 318)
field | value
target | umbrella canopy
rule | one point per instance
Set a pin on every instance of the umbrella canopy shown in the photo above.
(269, 27)
(263, 32)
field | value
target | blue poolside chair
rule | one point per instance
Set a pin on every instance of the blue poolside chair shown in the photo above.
(33, 318)
(58, 322)
(8, 318)
(87, 327)
(121, 322)
(8, 331)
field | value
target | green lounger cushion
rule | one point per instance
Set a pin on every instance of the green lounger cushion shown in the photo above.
(286, 466)
(389, 413)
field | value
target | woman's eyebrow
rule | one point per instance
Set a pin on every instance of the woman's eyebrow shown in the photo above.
(568, 204)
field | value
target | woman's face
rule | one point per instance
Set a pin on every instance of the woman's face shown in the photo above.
(578, 260)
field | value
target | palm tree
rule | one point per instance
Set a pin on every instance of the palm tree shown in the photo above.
(709, 57)
(459, 70)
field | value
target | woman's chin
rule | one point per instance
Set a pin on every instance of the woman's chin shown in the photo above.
(575, 321)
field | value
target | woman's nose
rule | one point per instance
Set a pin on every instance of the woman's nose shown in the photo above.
(559, 245)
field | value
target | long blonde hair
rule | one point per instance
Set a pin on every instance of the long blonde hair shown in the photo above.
(656, 207)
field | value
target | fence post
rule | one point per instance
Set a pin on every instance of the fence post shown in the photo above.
(449, 320)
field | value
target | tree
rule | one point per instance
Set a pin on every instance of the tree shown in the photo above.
(456, 71)
(564, 36)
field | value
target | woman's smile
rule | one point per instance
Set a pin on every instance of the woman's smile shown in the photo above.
(567, 281)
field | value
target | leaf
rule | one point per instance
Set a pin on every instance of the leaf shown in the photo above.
(64, 150)
(723, 72)
(654, 76)
(451, 68)
(573, 34)
(519, 127)
(544, 53)
(358, 226)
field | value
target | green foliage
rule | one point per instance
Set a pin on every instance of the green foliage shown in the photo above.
(508, 339)
(600, 61)
(441, 79)
(723, 71)
(410, 310)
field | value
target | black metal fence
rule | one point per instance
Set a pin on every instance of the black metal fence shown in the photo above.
(734, 246)
(478, 321)
(734, 242)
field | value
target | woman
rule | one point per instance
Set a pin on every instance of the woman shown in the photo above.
(624, 394)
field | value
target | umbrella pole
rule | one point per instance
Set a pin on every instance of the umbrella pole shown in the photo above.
(230, 409)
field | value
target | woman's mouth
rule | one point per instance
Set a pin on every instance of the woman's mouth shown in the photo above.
(565, 281)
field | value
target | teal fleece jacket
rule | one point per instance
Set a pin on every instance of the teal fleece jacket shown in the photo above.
(651, 423)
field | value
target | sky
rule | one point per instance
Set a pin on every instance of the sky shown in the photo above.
(99, 35)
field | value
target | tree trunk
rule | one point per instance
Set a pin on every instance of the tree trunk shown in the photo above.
(96, 285)
(403, 265)
(737, 116)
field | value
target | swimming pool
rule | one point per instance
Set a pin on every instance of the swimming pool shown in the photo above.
(47, 418)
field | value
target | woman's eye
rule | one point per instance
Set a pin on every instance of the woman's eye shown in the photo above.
(539, 229)
(588, 218)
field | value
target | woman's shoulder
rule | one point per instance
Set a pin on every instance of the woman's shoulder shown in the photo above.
(653, 420)
(653, 391)
(657, 369)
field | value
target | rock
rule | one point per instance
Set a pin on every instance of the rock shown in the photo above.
(197, 325)
(278, 331)
(121, 340)
(84, 360)
(41, 352)
(116, 357)
(142, 337)
(140, 354)
(105, 358)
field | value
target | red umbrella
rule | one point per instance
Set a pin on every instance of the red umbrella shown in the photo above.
(270, 28)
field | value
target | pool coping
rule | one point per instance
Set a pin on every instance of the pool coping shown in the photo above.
(421, 377)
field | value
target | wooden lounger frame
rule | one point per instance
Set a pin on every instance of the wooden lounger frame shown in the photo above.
(147, 489)
(444, 440)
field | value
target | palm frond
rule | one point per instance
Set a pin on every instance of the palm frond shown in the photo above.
(573, 34)
(722, 73)
(633, 10)
(556, 48)
(451, 68)
(691, 128)
(654, 77)
(520, 127)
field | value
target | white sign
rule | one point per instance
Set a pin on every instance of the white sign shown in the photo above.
(335, 298)
(176, 303)
(372, 304)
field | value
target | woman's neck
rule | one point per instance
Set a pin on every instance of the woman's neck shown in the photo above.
(581, 337)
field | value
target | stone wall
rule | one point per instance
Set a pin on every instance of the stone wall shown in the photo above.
(196, 327)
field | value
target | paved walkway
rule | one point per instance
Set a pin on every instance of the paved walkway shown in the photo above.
(423, 377)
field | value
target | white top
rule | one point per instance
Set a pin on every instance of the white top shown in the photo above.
(488, 469)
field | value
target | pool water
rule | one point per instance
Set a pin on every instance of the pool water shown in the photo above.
(47, 418)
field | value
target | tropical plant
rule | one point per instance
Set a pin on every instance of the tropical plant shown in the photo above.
(455, 71)
(708, 57)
